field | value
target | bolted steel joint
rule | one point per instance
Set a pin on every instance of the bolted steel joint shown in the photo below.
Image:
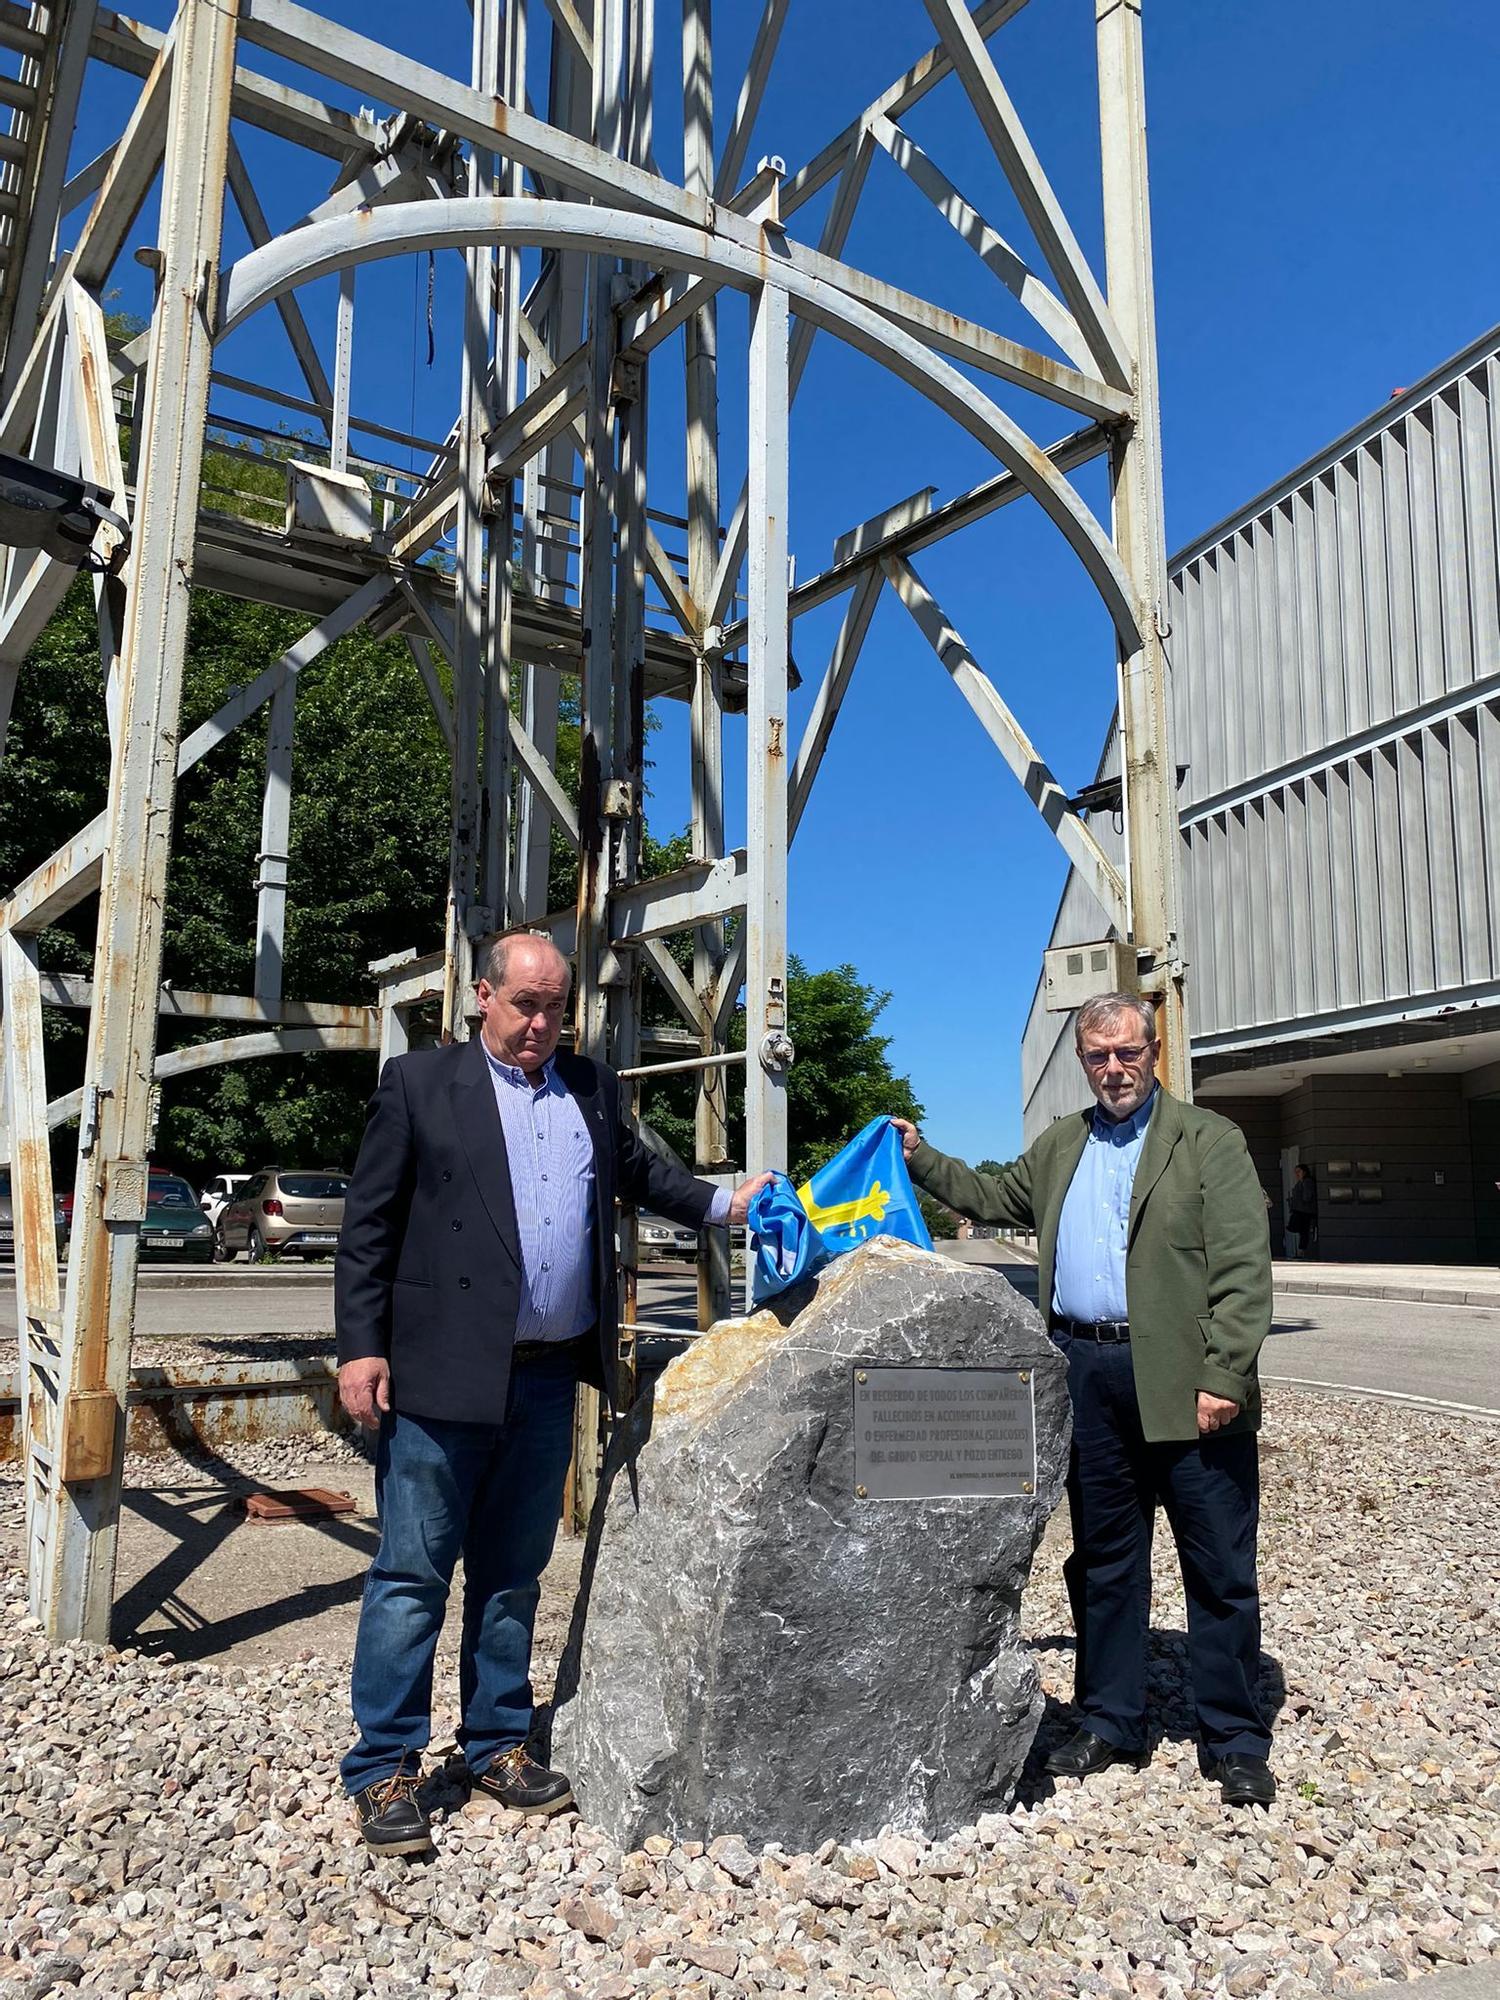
(777, 1050)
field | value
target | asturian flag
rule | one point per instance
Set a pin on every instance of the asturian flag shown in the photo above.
(863, 1191)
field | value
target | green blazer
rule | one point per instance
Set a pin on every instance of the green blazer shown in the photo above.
(1198, 1263)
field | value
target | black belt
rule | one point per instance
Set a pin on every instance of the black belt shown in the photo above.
(545, 1350)
(1090, 1329)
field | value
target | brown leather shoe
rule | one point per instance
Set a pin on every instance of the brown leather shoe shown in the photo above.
(515, 1780)
(390, 1814)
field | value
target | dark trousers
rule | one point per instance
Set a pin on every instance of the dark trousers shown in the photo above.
(1211, 1492)
(492, 1493)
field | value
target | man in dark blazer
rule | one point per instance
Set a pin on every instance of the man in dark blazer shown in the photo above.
(475, 1286)
(1154, 1270)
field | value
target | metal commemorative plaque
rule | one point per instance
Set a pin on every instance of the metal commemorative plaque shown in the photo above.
(943, 1433)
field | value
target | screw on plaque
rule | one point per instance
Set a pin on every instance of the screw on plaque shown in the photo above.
(860, 1375)
(1027, 1487)
(1025, 1374)
(861, 1492)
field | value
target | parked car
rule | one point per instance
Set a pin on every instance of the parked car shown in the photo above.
(284, 1211)
(173, 1225)
(8, 1227)
(656, 1237)
(219, 1192)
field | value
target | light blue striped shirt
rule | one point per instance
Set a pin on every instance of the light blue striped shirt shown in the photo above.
(551, 1161)
(1093, 1230)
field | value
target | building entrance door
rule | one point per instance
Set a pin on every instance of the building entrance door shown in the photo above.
(1484, 1151)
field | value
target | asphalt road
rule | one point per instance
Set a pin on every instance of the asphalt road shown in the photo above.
(1443, 1355)
(206, 1308)
(1446, 1355)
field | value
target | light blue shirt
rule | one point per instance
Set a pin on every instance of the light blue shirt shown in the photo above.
(551, 1159)
(1093, 1230)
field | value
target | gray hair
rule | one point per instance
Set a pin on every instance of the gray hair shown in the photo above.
(497, 958)
(1107, 1007)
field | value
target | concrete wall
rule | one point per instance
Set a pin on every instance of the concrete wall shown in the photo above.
(1417, 1128)
(1259, 1118)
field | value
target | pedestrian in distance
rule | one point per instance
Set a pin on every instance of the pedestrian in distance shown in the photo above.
(1302, 1212)
(475, 1286)
(1154, 1267)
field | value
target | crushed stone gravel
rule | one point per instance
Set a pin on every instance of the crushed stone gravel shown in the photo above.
(175, 1828)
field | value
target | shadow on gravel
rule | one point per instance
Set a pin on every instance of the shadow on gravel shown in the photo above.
(263, 1346)
(1169, 1705)
(201, 1520)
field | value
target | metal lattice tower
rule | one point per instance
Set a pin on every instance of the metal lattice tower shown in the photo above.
(549, 441)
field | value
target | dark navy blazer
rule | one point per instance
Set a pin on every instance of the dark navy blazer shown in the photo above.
(428, 1271)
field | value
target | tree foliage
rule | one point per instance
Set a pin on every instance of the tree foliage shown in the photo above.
(368, 857)
(842, 1077)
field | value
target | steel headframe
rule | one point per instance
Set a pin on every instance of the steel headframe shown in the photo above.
(558, 569)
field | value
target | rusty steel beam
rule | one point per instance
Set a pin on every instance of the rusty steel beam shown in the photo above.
(69, 989)
(77, 1583)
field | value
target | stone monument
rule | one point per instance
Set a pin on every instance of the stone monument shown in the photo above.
(799, 1610)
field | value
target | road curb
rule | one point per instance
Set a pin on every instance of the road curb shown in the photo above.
(210, 1277)
(1412, 1294)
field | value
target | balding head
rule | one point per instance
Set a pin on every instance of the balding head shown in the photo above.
(523, 997)
(528, 947)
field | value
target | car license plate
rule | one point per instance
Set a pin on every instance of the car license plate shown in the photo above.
(170, 1242)
(320, 1236)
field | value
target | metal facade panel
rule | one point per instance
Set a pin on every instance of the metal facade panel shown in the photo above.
(1336, 681)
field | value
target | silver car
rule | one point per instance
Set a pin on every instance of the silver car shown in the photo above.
(657, 1237)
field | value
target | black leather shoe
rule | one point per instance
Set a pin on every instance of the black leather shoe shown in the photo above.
(390, 1815)
(1084, 1753)
(1244, 1780)
(513, 1779)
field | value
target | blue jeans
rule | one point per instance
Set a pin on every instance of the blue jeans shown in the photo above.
(1210, 1490)
(492, 1492)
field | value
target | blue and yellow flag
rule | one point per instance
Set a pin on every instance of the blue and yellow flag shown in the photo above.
(863, 1191)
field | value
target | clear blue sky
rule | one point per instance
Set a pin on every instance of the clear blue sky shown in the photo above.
(1322, 182)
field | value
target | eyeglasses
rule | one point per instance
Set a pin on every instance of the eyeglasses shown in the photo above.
(1129, 1056)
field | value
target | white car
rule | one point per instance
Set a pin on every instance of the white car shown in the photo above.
(218, 1193)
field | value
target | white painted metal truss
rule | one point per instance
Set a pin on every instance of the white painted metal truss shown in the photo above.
(1336, 684)
(559, 564)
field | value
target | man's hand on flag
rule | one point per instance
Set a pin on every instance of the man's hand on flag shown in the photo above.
(744, 1194)
(911, 1138)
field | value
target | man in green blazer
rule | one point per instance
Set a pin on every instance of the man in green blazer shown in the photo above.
(1154, 1271)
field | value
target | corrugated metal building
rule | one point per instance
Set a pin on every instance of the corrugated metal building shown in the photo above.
(1336, 674)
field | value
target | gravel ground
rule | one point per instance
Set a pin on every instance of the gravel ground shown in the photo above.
(179, 1828)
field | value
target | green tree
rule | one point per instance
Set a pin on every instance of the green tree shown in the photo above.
(942, 1223)
(368, 856)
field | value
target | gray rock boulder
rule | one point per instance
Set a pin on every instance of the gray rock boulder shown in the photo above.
(759, 1650)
